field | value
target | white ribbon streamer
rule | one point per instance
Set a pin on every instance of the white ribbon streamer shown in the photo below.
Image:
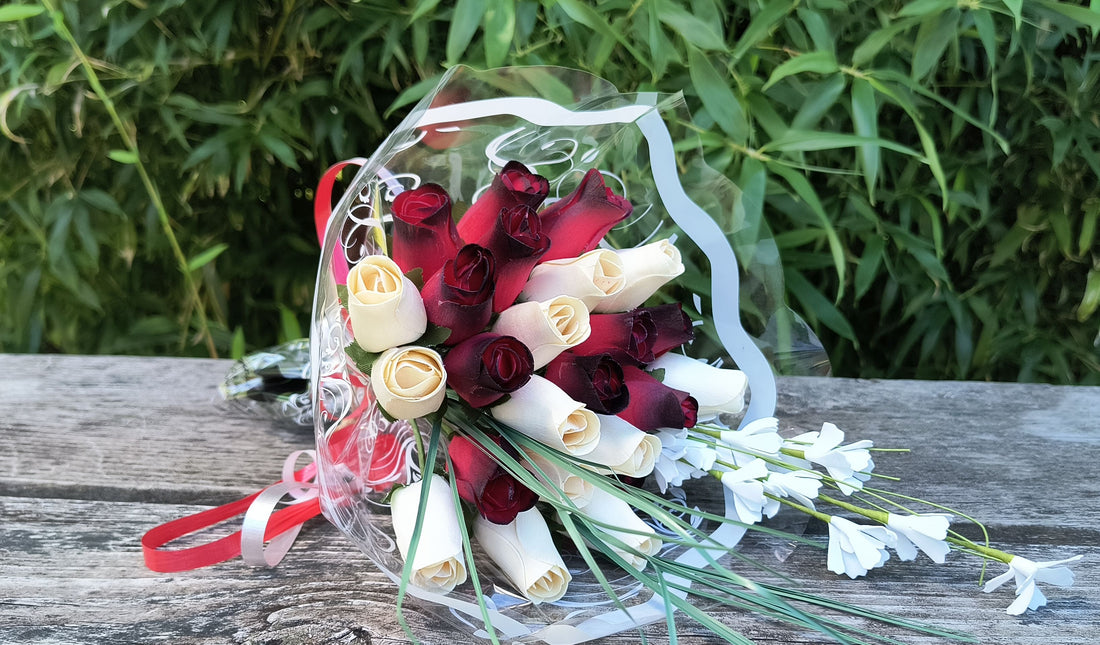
(254, 525)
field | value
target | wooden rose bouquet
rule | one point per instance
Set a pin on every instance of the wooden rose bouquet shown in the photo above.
(529, 345)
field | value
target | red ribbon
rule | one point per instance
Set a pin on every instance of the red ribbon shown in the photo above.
(228, 547)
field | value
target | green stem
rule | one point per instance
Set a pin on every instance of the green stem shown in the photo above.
(131, 146)
(824, 517)
(878, 516)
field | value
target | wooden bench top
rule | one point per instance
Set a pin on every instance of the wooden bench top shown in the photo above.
(97, 450)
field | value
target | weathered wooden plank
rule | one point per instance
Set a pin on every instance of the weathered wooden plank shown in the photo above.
(128, 443)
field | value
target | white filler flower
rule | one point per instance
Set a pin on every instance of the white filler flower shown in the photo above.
(927, 532)
(802, 485)
(759, 437)
(525, 552)
(849, 465)
(681, 458)
(748, 492)
(855, 549)
(1027, 574)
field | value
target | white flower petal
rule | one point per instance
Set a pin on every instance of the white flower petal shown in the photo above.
(928, 532)
(547, 327)
(624, 449)
(384, 306)
(609, 509)
(717, 390)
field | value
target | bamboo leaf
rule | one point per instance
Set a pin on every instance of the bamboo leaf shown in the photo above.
(804, 190)
(1016, 7)
(500, 26)
(718, 99)
(206, 257)
(869, 263)
(122, 156)
(818, 62)
(695, 31)
(1091, 298)
(817, 306)
(16, 12)
(932, 39)
(762, 24)
(803, 141)
(465, 19)
(865, 124)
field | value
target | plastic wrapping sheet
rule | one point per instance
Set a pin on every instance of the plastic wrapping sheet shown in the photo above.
(560, 123)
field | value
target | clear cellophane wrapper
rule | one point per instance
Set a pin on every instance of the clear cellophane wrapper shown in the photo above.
(559, 123)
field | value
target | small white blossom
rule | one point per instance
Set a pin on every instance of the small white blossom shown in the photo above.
(1027, 574)
(802, 485)
(855, 549)
(760, 436)
(680, 459)
(748, 491)
(927, 532)
(849, 465)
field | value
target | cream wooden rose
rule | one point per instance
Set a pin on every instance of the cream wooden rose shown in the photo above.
(624, 449)
(591, 278)
(613, 511)
(525, 552)
(645, 269)
(543, 412)
(716, 389)
(409, 382)
(576, 488)
(384, 306)
(439, 564)
(547, 327)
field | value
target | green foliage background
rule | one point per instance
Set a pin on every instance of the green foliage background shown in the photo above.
(930, 168)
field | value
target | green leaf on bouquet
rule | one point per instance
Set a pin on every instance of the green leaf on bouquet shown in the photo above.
(363, 359)
(434, 335)
(416, 276)
(342, 294)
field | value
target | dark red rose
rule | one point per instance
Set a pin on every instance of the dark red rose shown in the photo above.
(424, 235)
(654, 405)
(485, 367)
(596, 381)
(460, 295)
(577, 223)
(674, 328)
(480, 480)
(517, 243)
(514, 185)
(628, 337)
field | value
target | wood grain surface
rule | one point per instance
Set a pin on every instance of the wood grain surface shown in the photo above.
(97, 450)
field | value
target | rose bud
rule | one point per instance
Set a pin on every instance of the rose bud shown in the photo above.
(460, 295)
(627, 337)
(717, 390)
(596, 381)
(514, 185)
(577, 223)
(487, 366)
(439, 564)
(591, 278)
(610, 510)
(674, 328)
(525, 552)
(654, 405)
(547, 328)
(645, 269)
(409, 382)
(424, 235)
(624, 449)
(384, 306)
(573, 487)
(483, 482)
(544, 413)
(517, 243)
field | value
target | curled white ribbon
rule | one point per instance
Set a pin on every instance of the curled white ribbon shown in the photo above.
(254, 525)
